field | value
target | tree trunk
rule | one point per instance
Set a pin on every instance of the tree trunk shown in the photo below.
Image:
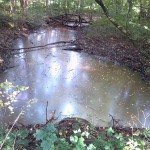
(13, 6)
(130, 6)
(24, 5)
(142, 14)
(148, 12)
(112, 20)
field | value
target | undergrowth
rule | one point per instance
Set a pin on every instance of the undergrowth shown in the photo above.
(49, 139)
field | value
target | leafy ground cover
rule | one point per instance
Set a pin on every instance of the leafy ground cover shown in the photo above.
(73, 133)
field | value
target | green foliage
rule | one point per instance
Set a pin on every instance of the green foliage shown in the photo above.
(49, 139)
(5, 19)
(101, 27)
(14, 139)
(110, 141)
(8, 94)
(117, 141)
(138, 31)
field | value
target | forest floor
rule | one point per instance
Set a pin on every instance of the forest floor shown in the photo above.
(113, 46)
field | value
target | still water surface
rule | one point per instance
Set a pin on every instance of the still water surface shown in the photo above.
(74, 84)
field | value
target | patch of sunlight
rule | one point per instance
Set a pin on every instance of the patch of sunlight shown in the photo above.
(136, 9)
(68, 109)
(1, 60)
(55, 69)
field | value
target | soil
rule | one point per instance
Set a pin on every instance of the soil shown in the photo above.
(7, 36)
(117, 49)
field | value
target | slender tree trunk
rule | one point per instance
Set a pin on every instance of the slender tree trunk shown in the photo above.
(13, 6)
(142, 12)
(148, 12)
(130, 3)
(129, 15)
(24, 5)
(112, 20)
(46, 3)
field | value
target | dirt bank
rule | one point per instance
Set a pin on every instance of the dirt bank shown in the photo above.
(7, 36)
(115, 48)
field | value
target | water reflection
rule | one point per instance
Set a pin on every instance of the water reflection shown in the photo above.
(74, 84)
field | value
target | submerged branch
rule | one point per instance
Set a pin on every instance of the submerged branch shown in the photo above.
(60, 42)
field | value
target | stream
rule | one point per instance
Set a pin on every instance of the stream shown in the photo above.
(74, 84)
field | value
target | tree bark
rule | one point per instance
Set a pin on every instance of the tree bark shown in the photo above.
(112, 20)
(13, 6)
(142, 14)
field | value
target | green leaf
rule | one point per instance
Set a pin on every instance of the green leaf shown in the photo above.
(11, 108)
(73, 139)
(101, 137)
(118, 136)
(91, 147)
(51, 128)
(81, 142)
(110, 131)
(46, 145)
(22, 133)
(51, 137)
(25, 143)
(1, 103)
(39, 135)
(109, 146)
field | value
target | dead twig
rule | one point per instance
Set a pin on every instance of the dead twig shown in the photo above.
(46, 111)
(115, 122)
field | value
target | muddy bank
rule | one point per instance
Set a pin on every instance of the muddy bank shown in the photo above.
(115, 48)
(7, 36)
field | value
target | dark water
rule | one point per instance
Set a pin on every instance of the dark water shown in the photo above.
(74, 84)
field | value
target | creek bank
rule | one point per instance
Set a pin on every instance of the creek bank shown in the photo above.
(7, 36)
(114, 48)
(69, 127)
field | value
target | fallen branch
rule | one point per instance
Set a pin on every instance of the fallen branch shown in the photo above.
(60, 42)
(29, 51)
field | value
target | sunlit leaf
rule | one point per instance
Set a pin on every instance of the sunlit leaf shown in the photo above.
(110, 131)
(1, 103)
